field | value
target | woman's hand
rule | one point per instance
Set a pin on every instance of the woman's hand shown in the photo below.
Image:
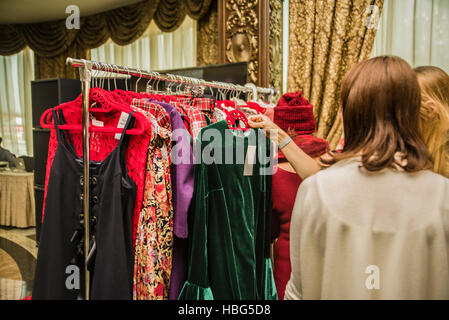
(303, 164)
(264, 123)
(272, 131)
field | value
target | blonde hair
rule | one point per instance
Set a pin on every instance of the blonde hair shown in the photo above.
(434, 115)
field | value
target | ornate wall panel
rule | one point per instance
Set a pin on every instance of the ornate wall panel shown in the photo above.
(244, 36)
(207, 37)
(275, 67)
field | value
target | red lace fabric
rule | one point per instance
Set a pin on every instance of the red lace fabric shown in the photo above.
(101, 144)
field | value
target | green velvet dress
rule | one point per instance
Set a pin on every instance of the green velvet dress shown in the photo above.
(229, 220)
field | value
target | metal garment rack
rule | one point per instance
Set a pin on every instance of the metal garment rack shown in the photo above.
(86, 67)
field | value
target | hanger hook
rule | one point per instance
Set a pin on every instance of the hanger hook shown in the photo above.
(210, 88)
(92, 81)
(193, 85)
(94, 72)
(98, 80)
(127, 78)
(172, 81)
(140, 77)
(226, 90)
(116, 75)
(253, 88)
(169, 83)
(157, 80)
(179, 83)
(109, 76)
(147, 86)
(106, 76)
(219, 93)
(97, 75)
(103, 72)
(188, 84)
(195, 90)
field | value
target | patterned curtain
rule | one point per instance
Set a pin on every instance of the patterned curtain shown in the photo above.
(207, 37)
(327, 37)
(52, 42)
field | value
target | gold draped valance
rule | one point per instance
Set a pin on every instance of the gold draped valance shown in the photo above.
(123, 25)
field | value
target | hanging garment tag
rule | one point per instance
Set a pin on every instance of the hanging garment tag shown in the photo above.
(121, 123)
(164, 152)
(97, 123)
(155, 124)
(226, 108)
(250, 161)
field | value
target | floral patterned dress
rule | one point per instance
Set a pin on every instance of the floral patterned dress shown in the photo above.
(154, 238)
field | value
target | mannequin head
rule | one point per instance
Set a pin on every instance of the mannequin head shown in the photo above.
(434, 115)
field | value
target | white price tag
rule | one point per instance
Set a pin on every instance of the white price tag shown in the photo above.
(121, 123)
(164, 152)
(250, 161)
(97, 123)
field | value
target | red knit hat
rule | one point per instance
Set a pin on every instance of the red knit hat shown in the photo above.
(294, 114)
(293, 99)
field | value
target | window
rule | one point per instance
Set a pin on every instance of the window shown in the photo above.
(415, 30)
(155, 50)
(16, 74)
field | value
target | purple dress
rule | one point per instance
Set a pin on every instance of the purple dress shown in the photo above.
(182, 190)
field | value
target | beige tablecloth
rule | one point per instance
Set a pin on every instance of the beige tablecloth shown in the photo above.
(17, 199)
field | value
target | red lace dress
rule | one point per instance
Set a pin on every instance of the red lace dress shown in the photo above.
(101, 144)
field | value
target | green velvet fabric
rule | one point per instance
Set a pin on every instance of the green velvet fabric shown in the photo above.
(229, 225)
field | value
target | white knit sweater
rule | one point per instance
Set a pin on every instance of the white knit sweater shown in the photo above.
(359, 235)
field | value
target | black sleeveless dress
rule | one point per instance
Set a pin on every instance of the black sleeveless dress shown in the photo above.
(112, 196)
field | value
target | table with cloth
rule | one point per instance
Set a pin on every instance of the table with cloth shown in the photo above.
(17, 199)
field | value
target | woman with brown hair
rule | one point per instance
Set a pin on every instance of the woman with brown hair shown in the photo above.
(375, 224)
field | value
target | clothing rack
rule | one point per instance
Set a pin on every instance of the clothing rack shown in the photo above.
(112, 68)
(86, 67)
